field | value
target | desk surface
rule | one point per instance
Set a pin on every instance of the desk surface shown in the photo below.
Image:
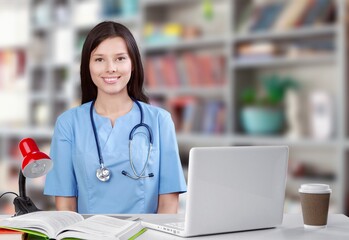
(291, 228)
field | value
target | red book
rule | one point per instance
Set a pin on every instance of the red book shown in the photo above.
(177, 108)
(8, 231)
(150, 74)
(205, 66)
(191, 69)
(169, 71)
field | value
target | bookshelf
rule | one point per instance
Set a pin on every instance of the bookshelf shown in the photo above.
(326, 156)
(168, 32)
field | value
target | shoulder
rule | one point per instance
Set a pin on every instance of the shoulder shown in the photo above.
(74, 114)
(155, 111)
(69, 121)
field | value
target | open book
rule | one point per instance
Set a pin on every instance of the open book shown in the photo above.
(67, 224)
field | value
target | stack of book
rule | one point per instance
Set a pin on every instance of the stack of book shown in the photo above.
(192, 115)
(12, 66)
(283, 15)
(270, 50)
(187, 70)
(71, 225)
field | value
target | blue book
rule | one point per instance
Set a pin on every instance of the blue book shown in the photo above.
(317, 11)
(268, 15)
(210, 116)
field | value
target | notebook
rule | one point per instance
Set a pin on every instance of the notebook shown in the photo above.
(230, 189)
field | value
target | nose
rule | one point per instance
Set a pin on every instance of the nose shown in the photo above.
(111, 66)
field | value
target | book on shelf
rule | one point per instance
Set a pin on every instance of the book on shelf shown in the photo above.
(213, 117)
(177, 106)
(249, 53)
(12, 67)
(170, 72)
(290, 15)
(186, 70)
(190, 114)
(259, 48)
(151, 73)
(71, 225)
(191, 69)
(284, 15)
(267, 15)
(319, 11)
(245, 18)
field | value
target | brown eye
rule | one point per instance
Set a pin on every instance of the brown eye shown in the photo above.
(119, 59)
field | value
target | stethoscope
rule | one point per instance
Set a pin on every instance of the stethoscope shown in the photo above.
(103, 173)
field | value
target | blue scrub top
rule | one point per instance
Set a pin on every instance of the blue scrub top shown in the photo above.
(75, 157)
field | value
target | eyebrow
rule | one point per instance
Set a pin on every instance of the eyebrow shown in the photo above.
(100, 54)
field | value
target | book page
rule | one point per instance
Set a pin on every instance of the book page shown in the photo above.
(46, 222)
(103, 227)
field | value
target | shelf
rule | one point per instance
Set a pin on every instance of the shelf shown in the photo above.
(127, 20)
(60, 96)
(39, 96)
(12, 46)
(203, 139)
(187, 44)
(14, 163)
(27, 132)
(218, 91)
(42, 28)
(282, 61)
(279, 140)
(155, 3)
(297, 181)
(216, 140)
(44, 64)
(294, 33)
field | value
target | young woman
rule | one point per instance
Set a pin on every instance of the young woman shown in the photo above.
(115, 153)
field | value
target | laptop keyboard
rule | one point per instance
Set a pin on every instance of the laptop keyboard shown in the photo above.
(178, 225)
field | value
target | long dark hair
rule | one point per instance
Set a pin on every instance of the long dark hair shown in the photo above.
(98, 34)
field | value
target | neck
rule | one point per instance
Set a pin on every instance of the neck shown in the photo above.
(113, 106)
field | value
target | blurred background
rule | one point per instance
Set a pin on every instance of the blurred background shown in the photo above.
(231, 72)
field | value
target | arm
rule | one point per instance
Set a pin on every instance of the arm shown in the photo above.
(168, 203)
(60, 181)
(66, 203)
(171, 177)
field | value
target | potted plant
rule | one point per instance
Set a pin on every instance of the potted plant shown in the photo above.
(263, 111)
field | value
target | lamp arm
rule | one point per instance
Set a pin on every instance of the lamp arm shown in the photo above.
(21, 185)
(23, 204)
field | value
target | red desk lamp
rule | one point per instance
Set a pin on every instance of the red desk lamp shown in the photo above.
(35, 164)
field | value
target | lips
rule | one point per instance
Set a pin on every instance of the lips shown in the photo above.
(110, 80)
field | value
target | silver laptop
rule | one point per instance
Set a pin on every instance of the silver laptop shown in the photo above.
(230, 189)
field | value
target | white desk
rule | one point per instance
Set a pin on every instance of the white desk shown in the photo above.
(291, 228)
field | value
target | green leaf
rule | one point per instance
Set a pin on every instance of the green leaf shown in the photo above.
(208, 9)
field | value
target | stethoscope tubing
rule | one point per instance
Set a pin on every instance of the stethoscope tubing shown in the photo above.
(132, 133)
(101, 161)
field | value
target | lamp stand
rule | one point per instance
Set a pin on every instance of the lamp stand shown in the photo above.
(23, 204)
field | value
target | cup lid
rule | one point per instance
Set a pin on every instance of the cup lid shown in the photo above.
(315, 188)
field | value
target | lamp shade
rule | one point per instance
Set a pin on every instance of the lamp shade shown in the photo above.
(35, 163)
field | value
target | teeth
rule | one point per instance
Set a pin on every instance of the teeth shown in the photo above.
(109, 80)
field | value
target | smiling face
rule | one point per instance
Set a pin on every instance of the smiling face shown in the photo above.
(111, 66)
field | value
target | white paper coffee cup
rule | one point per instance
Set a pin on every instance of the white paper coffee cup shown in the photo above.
(315, 200)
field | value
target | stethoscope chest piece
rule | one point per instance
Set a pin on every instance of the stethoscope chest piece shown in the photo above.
(103, 174)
